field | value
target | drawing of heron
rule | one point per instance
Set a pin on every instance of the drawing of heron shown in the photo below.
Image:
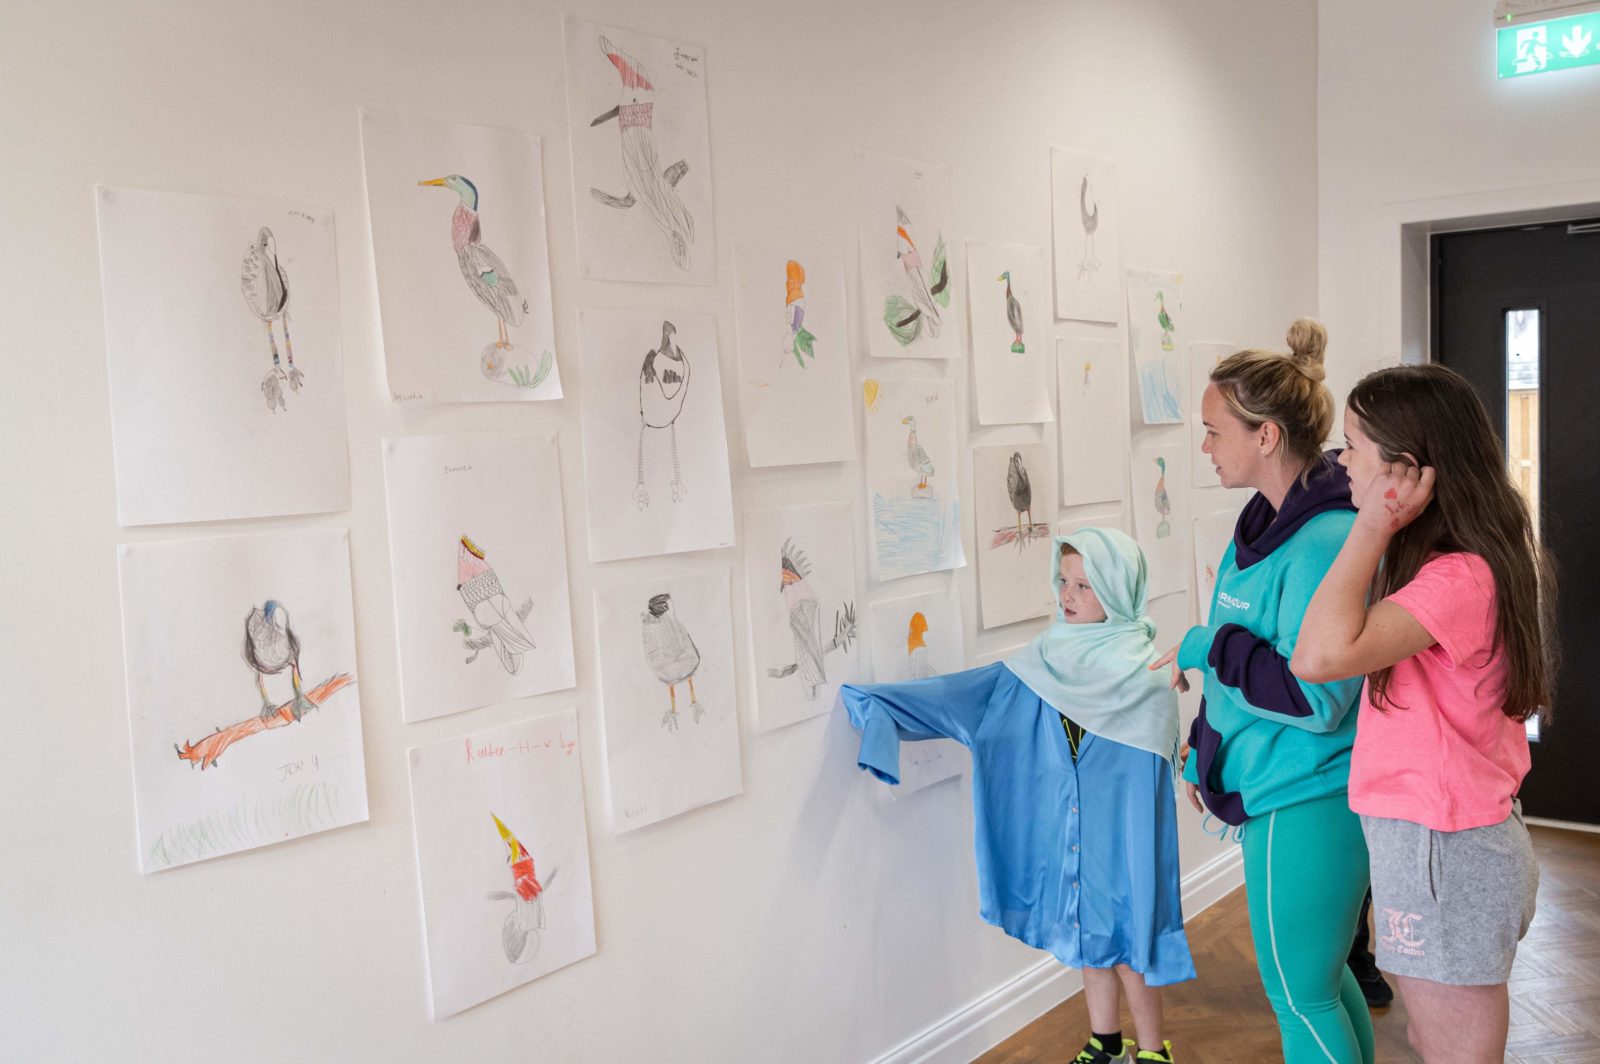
(266, 293)
(663, 386)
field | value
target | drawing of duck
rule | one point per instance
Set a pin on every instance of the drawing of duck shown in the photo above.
(663, 386)
(917, 654)
(1163, 502)
(266, 293)
(270, 647)
(485, 273)
(916, 457)
(1013, 314)
(649, 187)
(670, 653)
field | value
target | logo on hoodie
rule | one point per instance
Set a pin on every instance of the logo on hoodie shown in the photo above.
(1231, 602)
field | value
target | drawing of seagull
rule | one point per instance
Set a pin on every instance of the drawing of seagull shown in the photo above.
(649, 187)
(499, 626)
(670, 653)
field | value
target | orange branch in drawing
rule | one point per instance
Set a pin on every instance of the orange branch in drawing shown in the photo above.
(205, 752)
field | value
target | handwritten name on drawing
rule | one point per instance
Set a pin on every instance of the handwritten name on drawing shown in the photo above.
(302, 214)
(404, 397)
(632, 811)
(457, 469)
(490, 751)
(294, 768)
(689, 64)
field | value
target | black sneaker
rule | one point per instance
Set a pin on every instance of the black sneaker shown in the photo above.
(1373, 986)
(1095, 1053)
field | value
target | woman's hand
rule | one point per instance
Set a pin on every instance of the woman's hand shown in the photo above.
(1194, 797)
(1397, 495)
(1183, 756)
(1180, 683)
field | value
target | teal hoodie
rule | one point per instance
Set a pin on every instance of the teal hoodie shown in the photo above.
(1264, 739)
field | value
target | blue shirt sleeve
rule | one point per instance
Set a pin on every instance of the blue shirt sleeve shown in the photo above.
(940, 707)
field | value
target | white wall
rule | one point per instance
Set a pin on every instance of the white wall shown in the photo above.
(807, 920)
(1412, 125)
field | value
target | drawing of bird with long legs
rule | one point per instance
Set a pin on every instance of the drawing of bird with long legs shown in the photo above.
(1020, 490)
(797, 339)
(905, 318)
(270, 647)
(649, 187)
(670, 653)
(1165, 321)
(1089, 214)
(498, 625)
(488, 279)
(805, 623)
(266, 293)
(519, 935)
(918, 657)
(663, 386)
(1163, 502)
(1013, 314)
(916, 457)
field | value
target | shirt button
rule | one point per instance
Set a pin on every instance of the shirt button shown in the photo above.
(1074, 923)
(1074, 847)
(1074, 884)
(1074, 809)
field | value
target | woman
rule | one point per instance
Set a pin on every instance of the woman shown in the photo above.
(1271, 753)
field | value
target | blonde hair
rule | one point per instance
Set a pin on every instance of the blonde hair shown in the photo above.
(1285, 388)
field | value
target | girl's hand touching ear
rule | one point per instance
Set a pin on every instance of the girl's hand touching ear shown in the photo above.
(1180, 683)
(1397, 495)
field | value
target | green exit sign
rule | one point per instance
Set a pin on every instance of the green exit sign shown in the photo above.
(1539, 47)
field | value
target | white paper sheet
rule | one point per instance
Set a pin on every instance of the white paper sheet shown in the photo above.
(1006, 288)
(641, 156)
(1212, 534)
(223, 361)
(912, 493)
(908, 276)
(1203, 358)
(503, 857)
(1161, 514)
(915, 637)
(655, 450)
(1087, 240)
(1092, 384)
(1014, 545)
(794, 356)
(220, 764)
(805, 637)
(667, 687)
(464, 265)
(1155, 339)
(479, 556)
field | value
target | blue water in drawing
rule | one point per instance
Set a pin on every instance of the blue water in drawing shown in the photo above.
(1158, 391)
(915, 535)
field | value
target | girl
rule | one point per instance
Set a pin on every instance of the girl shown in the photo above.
(1072, 749)
(1271, 753)
(1456, 659)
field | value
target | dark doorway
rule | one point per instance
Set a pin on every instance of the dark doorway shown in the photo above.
(1517, 312)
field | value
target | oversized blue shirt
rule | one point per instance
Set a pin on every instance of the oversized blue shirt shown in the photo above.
(1079, 858)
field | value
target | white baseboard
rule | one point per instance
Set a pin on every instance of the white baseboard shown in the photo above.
(1564, 825)
(991, 1019)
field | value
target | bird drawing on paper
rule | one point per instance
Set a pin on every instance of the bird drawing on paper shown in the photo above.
(650, 188)
(917, 654)
(266, 293)
(486, 274)
(916, 457)
(270, 647)
(1020, 490)
(1089, 214)
(805, 623)
(1162, 501)
(670, 653)
(494, 623)
(663, 386)
(1165, 321)
(519, 935)
(905, 318)
(798, 342)
(1013, 314)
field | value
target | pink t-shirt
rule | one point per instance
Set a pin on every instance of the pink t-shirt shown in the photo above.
(1441, 753)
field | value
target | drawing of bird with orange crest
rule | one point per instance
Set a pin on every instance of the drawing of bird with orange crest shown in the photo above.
(917, 654)
(519, 935)
(797, 341)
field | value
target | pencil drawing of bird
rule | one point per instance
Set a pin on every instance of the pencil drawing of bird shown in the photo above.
(805, 623)
(663, 386)
(498, 625)
(519, 935)
(1021, 492)
(1165, 321)
(1013, 314)
(917, 654)
(266, 292)
(649, 187)
(922, 293)
(1090, 216)
(916, 457)
(270, 647)
(670, 653)
(1162, 501)
(485, 272)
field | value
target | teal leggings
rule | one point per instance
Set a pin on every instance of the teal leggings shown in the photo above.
(1305, 873)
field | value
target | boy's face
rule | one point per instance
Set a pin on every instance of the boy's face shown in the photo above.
(1078, 601)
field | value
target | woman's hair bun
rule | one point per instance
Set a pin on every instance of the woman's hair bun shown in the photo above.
(1307, 342)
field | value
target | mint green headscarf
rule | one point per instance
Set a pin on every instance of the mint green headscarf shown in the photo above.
(1097, 675)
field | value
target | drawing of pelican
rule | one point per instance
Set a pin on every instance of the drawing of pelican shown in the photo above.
(916, 457)
(1090, 216)
(670, 653)
(917, 654)
(519, 935)
(266, 293)
(270, 646)
(1013, 314)
(663, 386)
(805, 623)
(649, 187)
(1162, 501)
(499, 625)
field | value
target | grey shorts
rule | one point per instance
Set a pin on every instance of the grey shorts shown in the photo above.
(1451, 906)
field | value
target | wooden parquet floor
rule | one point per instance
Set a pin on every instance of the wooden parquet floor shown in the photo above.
(1223, 1017)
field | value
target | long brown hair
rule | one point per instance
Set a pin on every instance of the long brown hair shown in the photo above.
(1431, 414)
(1285, 388)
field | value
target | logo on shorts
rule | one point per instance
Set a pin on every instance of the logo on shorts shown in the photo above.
(1402, 936)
